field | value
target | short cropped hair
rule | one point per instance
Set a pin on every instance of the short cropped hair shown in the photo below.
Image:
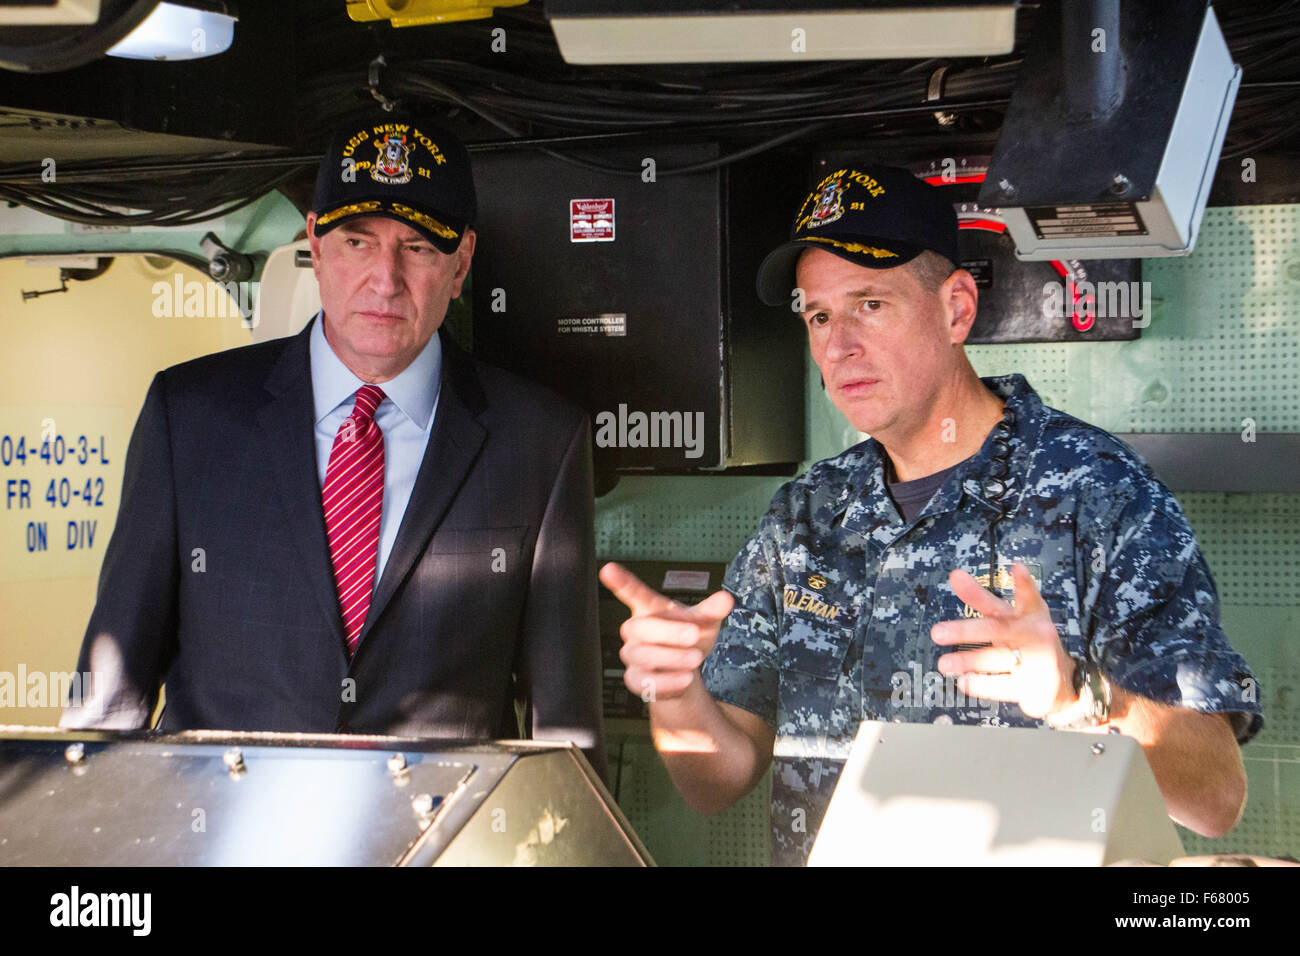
(931, 269)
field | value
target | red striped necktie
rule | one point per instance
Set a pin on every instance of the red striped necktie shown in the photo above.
(353, 496)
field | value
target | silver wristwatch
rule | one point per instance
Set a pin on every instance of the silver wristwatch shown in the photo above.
(1092, 707)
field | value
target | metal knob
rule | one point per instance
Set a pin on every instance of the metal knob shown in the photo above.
(423, 803)
(398, 767)
(1099, 748)
(75, 752)
(234, 761)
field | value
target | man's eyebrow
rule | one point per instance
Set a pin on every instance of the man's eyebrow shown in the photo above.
(362, 229)
(866, 292)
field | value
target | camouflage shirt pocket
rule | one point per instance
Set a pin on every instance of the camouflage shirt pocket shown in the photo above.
(819, 708)
(814, 647)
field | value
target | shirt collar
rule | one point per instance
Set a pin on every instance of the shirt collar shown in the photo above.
(414, 391)
(865, 504)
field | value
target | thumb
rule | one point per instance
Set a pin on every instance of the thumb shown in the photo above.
(1028, 600)
(714, 608)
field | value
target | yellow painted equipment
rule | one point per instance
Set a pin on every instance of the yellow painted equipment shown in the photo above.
(415, 13)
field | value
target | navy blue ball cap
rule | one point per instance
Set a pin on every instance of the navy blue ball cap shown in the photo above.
(415, 172)
(875, 216)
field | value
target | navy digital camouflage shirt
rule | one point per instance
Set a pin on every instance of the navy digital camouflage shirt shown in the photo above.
(836, 595)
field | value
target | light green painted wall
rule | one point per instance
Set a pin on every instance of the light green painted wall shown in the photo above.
(258, 227)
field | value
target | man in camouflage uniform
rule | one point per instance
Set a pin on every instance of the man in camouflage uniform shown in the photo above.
(862, 595)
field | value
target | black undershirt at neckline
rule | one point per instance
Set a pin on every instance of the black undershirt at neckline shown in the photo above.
(911, 496)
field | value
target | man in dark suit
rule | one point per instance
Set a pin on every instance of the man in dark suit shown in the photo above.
(358, 528)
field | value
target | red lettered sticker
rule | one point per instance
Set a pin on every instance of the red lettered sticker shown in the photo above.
(591, 220)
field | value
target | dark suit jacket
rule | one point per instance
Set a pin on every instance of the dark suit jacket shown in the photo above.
(217, 579)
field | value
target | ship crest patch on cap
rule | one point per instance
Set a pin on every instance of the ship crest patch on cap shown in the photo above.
(416, 174)
(392, 167)
(826, 203)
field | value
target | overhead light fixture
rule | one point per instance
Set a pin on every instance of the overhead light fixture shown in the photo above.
(179, 31)
(592, 32)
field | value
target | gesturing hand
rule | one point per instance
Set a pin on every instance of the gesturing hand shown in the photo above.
(664, 642)
(1025, 663)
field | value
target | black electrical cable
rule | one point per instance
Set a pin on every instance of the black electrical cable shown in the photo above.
(545, 103)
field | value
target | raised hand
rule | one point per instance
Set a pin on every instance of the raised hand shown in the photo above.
(1025, 662)
(664, 641)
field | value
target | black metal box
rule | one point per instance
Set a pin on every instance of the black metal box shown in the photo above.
(633, 295)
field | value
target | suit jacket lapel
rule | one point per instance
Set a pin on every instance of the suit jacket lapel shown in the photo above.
(287, 430)
(454, 445)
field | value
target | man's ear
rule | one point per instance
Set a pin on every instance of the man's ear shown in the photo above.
(465, 252)
(313, 243)
(962, 299)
